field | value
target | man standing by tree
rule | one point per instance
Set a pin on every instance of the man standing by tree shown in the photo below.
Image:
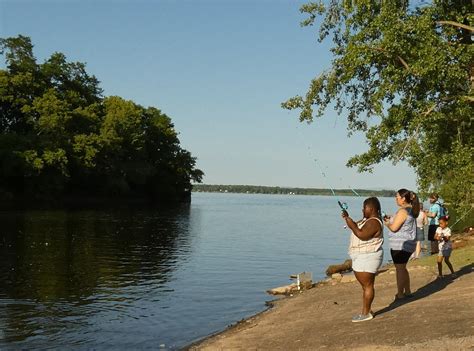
(433, 214)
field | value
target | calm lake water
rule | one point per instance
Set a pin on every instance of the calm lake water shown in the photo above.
(135, 279)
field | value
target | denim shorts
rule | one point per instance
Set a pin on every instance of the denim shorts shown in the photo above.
(366, 262)
(445, 252)
(420, 234)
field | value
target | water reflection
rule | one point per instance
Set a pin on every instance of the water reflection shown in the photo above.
(65, 273)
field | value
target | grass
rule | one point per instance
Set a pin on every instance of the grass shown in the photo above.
(460, 257)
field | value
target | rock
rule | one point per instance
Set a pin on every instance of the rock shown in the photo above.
(336, 276)
(283, 290)
(338, 268)
(347, 278)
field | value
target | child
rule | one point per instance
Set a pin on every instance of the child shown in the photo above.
(421, 221)
(443, 234)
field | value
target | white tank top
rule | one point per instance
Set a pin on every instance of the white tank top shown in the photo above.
(366, 246)
(420, 219)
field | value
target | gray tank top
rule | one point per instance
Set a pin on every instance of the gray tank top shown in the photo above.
(404, 238)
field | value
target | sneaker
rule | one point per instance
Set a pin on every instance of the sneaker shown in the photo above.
(362, 317)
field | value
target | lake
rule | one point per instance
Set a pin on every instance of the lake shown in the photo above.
(136, 278)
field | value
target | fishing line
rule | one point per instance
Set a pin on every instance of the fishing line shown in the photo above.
(460, 218)
(341, 204)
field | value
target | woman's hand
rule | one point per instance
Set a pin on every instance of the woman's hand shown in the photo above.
(344, 214)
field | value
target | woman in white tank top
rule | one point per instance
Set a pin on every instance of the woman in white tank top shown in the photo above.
(366, 252)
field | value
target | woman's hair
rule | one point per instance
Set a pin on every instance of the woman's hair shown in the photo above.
(375, 204)
(434, 196)
(411, 198)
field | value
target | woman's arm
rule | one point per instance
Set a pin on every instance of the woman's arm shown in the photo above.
(398, 221)
(425, 219)
(367, 232)
(433, 214)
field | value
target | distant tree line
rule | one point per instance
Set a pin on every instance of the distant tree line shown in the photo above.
(60, 137)
(258, 189)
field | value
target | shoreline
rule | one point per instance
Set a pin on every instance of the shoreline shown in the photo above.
(272, 329)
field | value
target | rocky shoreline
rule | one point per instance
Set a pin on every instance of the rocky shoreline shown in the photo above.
(320, 318)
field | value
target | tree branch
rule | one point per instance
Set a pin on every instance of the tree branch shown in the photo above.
(468, 98)
(402, 61)
(426, 113)
(458, 25)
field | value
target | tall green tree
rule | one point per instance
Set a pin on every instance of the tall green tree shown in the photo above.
(60, 136)
(403, 71)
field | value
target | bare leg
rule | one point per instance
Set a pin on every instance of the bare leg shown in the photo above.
(403, 280)
(440, 266)
(366, 280)
(448, 263)
(434, 247)
(418, 249)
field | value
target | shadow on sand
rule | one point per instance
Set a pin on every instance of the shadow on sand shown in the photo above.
(430, 288)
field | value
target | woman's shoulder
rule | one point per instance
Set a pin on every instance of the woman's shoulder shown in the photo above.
(376, 220)
(403, 211)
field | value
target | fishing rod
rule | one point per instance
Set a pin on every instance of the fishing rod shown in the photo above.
(460, 218)
(342, 205)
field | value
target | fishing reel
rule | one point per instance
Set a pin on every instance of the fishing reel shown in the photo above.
(343, 205)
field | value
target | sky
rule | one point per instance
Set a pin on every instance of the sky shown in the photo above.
(220, 69)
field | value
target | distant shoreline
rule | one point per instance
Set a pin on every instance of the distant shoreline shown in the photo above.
(260, 189)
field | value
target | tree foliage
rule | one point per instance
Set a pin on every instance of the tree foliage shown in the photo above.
(404, 74)
(59, 136)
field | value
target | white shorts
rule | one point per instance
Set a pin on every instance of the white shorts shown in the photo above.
(366, 262)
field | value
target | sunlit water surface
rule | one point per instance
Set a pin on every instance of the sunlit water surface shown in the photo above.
(135, 279)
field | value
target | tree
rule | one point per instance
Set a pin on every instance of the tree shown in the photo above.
(60, 137)
(404, 72)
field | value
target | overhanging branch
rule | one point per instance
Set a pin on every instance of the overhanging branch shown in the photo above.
(457, 24)
(402, 61)
(426, 113)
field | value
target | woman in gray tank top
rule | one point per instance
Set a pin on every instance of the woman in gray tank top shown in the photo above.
(402, 237)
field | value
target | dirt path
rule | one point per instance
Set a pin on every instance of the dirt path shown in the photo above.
(440, 316)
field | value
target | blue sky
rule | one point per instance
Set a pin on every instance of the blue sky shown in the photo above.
(219, 69)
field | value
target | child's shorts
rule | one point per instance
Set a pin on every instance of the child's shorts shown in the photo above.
(367, 262)
(445, 252)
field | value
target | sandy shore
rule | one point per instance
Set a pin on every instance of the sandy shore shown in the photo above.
(440, 316)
